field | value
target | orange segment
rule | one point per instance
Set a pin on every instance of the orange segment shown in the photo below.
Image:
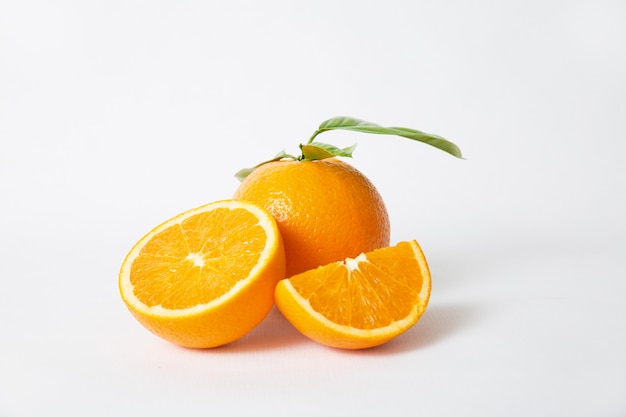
(205, 277)
(361, 302)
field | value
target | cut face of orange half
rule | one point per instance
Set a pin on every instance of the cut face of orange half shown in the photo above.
(361, 302)
(207, 276)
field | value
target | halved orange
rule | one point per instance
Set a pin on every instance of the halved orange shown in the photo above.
(207, 276)
(359, 303)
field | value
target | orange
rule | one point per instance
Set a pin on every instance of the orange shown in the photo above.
(207, 276)
(326, 210)
(361, 302)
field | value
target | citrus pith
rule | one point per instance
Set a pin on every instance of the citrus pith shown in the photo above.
(205, 277)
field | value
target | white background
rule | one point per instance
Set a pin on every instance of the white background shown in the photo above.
(116, 115)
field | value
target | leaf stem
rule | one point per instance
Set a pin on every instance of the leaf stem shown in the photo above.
(317, 132)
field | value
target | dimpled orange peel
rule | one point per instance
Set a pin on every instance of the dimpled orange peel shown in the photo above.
(326, 210)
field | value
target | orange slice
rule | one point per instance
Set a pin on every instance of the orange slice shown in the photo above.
(359, 303)
(207, 276)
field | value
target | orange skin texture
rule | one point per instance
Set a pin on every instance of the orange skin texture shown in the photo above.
(326, 210)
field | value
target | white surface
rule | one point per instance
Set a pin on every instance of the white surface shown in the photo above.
(115, 115)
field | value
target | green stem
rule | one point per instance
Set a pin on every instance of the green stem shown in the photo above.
(317, 132)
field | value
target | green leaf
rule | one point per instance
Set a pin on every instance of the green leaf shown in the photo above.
(428, 138)
(345, 123)
(243, 173)
(357, 125)
(316, 151)
(312, 153)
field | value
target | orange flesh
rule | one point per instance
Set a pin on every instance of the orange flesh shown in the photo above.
(204, 252)
(367, 296)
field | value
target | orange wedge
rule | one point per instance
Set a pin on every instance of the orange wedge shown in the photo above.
(207, 276)
(359, 303)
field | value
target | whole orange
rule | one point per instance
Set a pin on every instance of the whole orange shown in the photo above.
(326, 210)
